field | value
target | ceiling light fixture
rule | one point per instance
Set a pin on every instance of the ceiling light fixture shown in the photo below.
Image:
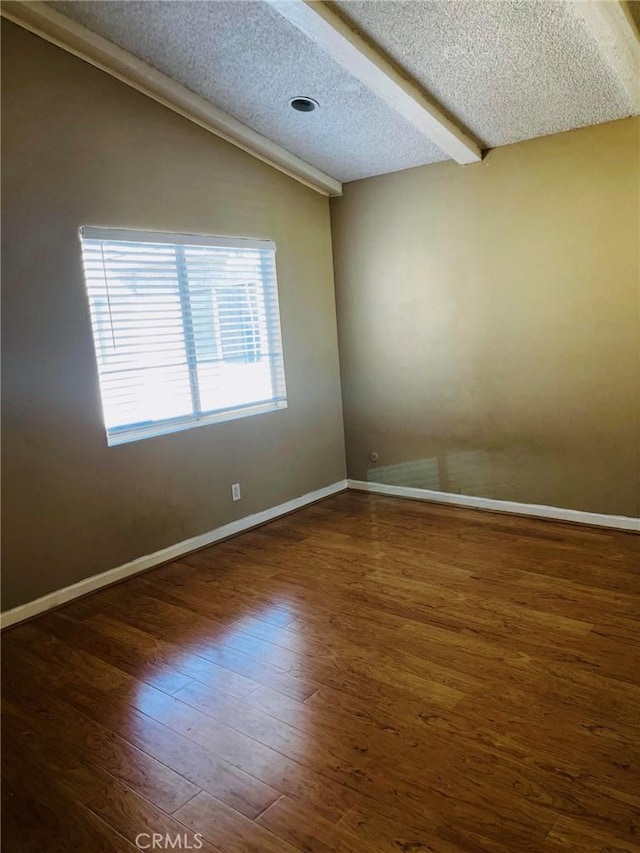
(304, 104)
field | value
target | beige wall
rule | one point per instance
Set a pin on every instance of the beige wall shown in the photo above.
(81, 148)
(489, 323)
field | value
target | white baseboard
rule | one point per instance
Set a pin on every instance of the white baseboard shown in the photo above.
(620, 522)
(174, 552)
(166, 555)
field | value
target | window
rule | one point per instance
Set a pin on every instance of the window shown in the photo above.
(186, 329)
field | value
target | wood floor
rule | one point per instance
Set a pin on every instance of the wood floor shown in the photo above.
(367, 674)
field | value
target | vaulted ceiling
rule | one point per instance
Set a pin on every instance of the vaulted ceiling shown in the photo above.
(496, 72)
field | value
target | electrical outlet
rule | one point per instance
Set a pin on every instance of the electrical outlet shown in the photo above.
(235, 492)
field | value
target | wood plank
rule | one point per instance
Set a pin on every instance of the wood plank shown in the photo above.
(37, 817)
(366, 674)
(111, 800)
(568, 836)
(306, 830)
(229, 830)
(73, 737)
(210, 650)
(109, 709)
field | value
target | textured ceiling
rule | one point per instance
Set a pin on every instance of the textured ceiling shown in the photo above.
(506, 70)
(246, 59)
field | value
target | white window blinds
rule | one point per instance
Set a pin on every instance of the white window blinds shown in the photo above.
(186, 329)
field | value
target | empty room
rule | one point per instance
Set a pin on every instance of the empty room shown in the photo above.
(321, 426)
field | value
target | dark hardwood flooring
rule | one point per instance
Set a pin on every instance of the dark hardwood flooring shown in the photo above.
(367, 674)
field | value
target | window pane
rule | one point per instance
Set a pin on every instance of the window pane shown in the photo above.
(182, 331)
(230, 384)
(231, 335)
(147, 395)
(138, 328)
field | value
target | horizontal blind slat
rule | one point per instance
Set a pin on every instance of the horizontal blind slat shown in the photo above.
(174, 313)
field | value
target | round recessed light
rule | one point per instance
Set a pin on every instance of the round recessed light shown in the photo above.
(304, 104)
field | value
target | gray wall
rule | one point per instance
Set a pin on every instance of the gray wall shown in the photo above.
(81, 148)
(489, 323)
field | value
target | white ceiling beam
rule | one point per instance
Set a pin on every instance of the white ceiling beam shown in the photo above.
(46, 22)
(361, 60)
(616, 33)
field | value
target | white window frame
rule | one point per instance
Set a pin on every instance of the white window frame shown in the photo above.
(129, 433)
